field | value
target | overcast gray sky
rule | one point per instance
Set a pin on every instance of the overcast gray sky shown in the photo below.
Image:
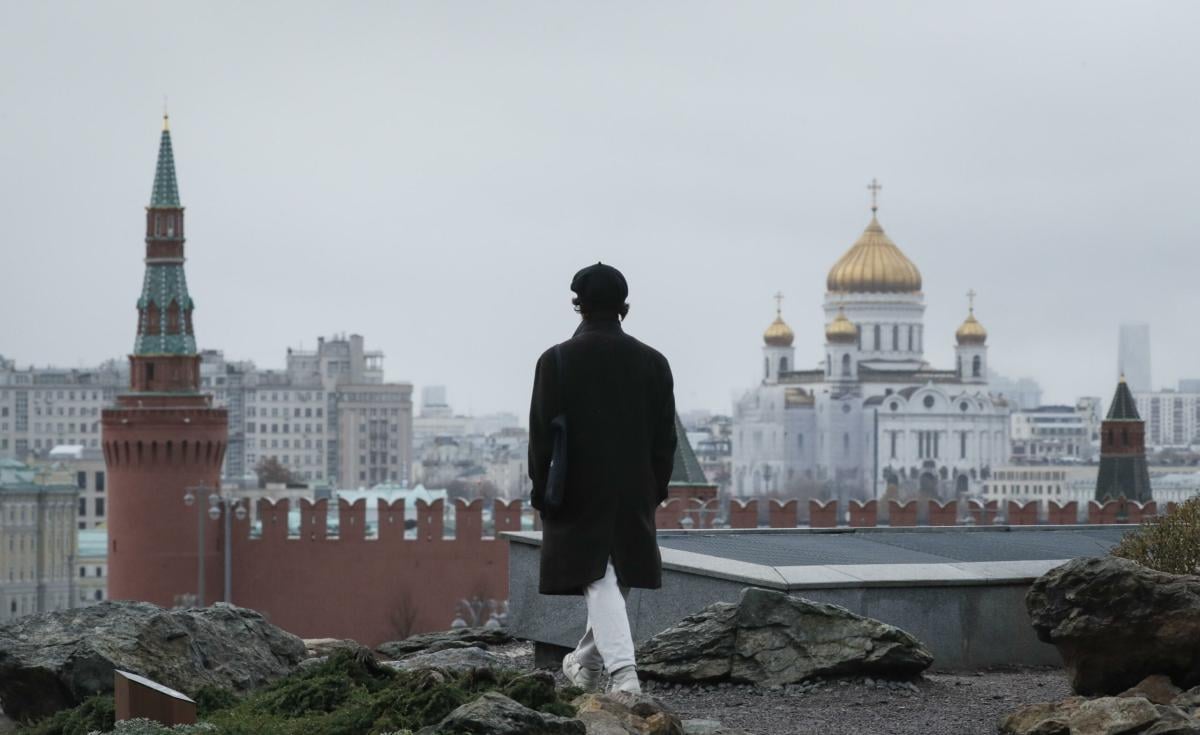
(430, 175)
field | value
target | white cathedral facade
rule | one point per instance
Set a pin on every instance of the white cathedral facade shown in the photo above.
(874, 419)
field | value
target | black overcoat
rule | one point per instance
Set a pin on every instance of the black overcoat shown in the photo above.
(620, 408)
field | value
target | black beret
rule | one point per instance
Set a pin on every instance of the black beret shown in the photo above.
(600, 285)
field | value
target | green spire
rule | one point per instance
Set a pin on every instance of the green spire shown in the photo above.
(166, 191)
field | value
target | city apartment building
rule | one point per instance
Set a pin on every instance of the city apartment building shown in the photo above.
(42, 408)
(1064, 484)
(37, 541)
(1056, 433)
(84, 468)
(328, 417)
(1172, 416)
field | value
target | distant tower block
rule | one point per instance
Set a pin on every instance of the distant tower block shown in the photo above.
(163, 436)
(1123, 469)
(1133, 356)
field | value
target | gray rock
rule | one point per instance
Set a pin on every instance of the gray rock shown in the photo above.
(1173, 721)
(701, 727)
(1080, 716)
(495, 714)
(323, 647)
(442, 640)
(624, 713)
(52, 661)
(1115, 622)
(452, 659)
(771, 638)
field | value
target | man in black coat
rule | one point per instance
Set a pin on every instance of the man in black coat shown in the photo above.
(617, 395)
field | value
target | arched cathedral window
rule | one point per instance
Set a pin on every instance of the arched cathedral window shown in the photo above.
(878, 338)
(896, 337)
(977, 367)
(783, 365)
(845, 366)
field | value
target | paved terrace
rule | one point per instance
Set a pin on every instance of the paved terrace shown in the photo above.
(960, 590)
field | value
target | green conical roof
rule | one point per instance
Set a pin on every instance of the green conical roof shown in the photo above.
(166, 191)
(687, 469)
(1123, 406)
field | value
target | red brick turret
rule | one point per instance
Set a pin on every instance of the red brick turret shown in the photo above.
(163, 436)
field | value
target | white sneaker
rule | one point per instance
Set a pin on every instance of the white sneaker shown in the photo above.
(579, 675)
(625, 679)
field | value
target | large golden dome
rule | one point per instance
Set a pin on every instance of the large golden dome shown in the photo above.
(971, 332)
(841, 329)
(779, 334)
(874, 265)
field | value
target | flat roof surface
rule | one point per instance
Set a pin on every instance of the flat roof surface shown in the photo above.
(898, 547)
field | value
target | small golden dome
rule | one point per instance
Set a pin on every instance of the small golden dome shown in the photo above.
(779, 334)
(971, 332)
(841, 329)
(874, 265)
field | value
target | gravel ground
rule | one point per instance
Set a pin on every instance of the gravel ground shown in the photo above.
(943, 704)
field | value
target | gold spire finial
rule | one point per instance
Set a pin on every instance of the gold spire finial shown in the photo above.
(874, 188)
(779, 303)
(166, 119)
(971, 300)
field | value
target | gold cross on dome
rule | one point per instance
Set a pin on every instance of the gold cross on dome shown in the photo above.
(874, 188)
(971, 299)
(779, 303)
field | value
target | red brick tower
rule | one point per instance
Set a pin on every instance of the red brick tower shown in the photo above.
(163, 436)
(1123, 471)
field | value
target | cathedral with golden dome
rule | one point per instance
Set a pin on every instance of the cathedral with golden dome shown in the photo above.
(873, 419)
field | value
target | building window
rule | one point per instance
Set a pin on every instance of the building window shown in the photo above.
(81, 480)
(977, 367)
(845, 366)
(83, 506)
(928, 401)
(99, 507)
(783, 365)
(896, 337)
(878, 338)
(962, 448)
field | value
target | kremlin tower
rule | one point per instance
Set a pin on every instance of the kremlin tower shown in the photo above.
(163, 436)
(1123, 471)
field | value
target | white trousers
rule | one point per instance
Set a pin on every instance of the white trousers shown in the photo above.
(607, 642)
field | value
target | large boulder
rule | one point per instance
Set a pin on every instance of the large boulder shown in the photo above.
(1115, 622)
(52, 661)
(495, 714)
(771, 638)
(441, 640)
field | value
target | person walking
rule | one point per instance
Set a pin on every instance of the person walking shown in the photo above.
(618, 398)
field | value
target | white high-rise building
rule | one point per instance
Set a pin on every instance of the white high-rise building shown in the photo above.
(1133, 356)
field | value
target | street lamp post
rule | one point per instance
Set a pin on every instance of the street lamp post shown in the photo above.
(216, 502)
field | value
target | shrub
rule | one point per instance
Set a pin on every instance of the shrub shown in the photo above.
(349, 694)
(94, 714)
(1169, 543)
